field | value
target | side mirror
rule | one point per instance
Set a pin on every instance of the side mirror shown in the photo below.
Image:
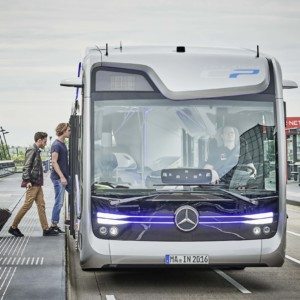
(289, 84)
(72, 82)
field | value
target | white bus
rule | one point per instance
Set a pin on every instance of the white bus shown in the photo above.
(154, 180)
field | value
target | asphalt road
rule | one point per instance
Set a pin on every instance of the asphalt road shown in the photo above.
(251, 283)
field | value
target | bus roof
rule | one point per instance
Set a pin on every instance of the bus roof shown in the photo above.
(210, 71)
(189, 74)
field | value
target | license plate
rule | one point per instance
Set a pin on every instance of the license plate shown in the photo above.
(172, 259)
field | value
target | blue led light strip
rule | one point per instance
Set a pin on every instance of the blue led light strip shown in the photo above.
(118, 217)
(115, 219)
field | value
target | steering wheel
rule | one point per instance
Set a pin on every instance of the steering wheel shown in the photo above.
(246, 168)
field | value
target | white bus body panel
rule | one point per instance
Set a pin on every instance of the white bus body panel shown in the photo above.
(224, 252)
(96, 253)
(197, 73)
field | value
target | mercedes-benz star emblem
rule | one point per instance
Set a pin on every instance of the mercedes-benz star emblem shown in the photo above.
(186, 218)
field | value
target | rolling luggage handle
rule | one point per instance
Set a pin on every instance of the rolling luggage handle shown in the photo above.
(18, 201)
(5, 213)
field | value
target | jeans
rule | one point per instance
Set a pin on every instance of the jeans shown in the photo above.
(59, 190)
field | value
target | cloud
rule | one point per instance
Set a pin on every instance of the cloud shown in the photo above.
(41, 42)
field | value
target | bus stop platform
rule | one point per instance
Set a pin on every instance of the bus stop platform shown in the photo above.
(31, 267)
(293, 193)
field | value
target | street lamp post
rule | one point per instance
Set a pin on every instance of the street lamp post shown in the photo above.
(4, 133)
(2, 152)
(5, 148)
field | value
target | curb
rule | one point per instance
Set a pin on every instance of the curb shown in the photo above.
(293, 202)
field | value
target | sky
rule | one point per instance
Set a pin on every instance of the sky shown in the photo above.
(41, 43)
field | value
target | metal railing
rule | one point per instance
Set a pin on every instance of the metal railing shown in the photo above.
(7, 167)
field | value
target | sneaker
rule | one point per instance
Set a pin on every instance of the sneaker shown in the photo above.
(20, 233)
(56, 228)
(49, 232)
(15, 231)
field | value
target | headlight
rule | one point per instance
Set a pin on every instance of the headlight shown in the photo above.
(113, 231)
(266, 229)
(257, 230)
(103, 230)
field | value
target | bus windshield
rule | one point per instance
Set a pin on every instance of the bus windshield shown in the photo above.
(134, 140)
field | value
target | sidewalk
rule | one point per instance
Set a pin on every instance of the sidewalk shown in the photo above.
(293, 193)
(32, 267)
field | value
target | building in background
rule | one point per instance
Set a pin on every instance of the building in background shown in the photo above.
(293, 146)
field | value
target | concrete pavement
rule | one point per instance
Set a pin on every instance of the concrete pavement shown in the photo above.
(31, 267)
(293, 192)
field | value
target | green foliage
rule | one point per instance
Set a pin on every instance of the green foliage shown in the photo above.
(2, 154)
(18, 159)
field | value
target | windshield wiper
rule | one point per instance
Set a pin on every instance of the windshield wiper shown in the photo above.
(189, 184)
(109, 185)
(240, 197)
(114, 201)
(216, 187)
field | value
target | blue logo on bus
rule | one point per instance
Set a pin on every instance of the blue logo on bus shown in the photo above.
(167, 259)
(239, 72)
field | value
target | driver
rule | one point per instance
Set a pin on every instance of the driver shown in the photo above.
(228, 151)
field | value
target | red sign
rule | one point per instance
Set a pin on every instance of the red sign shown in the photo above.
(292, 122)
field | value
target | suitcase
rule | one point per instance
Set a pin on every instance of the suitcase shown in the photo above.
(4, 216)
(5, 213)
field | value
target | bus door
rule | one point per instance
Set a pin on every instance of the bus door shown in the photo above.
(74, 165)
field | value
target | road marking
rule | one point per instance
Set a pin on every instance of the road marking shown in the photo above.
(233, 282)
(8, 283)
(297, 211)
(5, 278)
(110, 297)
(294, 233)
(293, 259)
(2, 273)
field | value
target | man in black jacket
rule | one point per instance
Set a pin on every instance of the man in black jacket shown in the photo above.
(33, 181)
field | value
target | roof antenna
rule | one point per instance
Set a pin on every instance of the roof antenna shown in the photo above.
(120, 47)
(78, 75)
(100, 52)
(106, 50)
(257, 50)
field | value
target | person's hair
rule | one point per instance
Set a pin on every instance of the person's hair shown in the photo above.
(221, 131)
(40, 135)
(61, 128)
